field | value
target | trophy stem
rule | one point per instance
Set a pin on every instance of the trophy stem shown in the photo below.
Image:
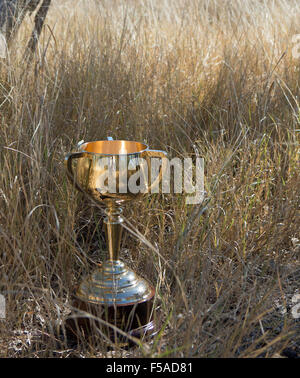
(113, 231)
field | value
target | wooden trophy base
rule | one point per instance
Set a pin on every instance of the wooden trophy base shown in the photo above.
(136, 320)
(118, 305)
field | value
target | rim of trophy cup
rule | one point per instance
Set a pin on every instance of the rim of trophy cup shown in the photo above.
(118, 147)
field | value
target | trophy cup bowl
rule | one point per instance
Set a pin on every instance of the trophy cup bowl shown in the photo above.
(112, 173)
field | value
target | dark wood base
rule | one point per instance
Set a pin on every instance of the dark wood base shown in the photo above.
(135, 320)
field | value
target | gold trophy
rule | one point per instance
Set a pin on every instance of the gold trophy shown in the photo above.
(112, 173)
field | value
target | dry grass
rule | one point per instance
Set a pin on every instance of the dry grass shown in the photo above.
(218, 76)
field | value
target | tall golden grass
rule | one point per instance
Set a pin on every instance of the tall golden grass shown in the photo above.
(217, 78)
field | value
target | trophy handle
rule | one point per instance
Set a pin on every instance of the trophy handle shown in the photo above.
(156, 154)
(68, 163)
